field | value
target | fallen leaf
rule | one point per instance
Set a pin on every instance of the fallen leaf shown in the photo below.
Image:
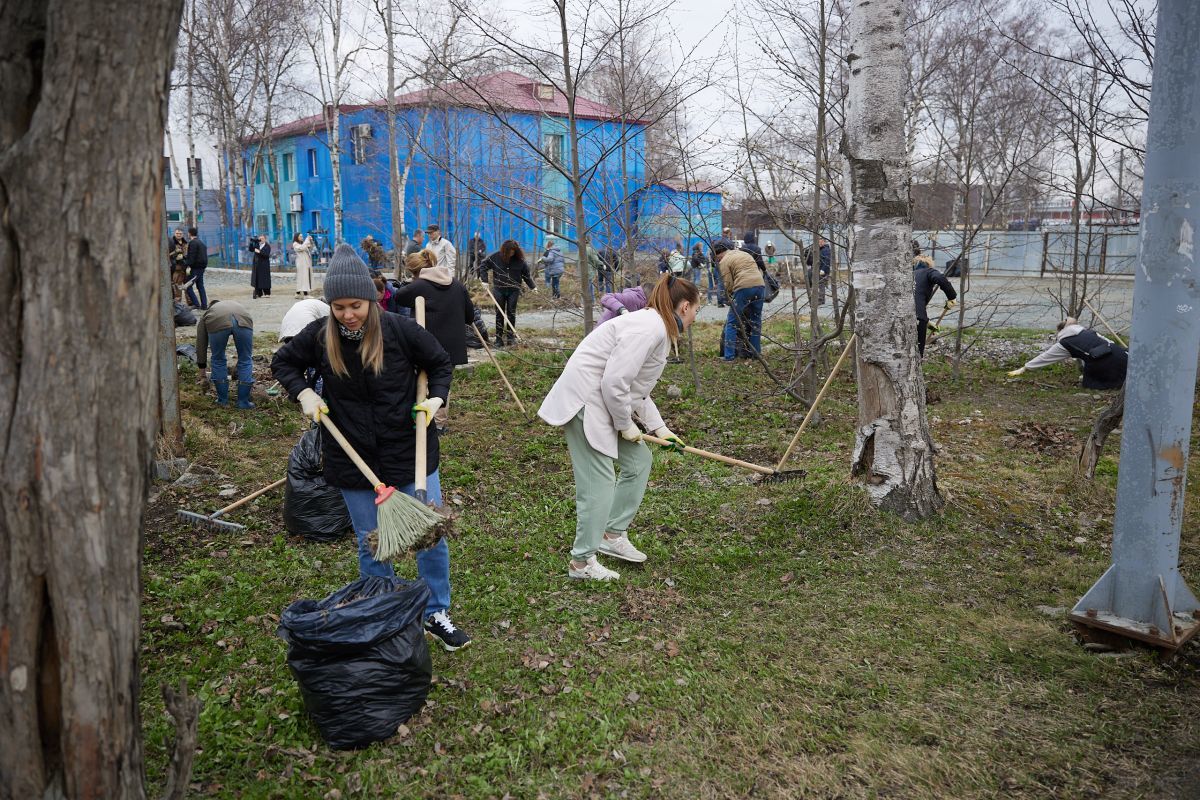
(672, 649)
(787, 577)
(632, 698)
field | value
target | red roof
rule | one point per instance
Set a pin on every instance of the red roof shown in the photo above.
(502, 90)
(700, 187)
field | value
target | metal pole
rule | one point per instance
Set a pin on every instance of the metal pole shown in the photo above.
(1142, 595)
(170, 424)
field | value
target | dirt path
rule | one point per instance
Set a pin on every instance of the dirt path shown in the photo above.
(991, 302)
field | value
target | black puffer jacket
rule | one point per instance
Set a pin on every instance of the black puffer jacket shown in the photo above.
(373, 411)
(926, 280)
(447, 310)
(509, 273)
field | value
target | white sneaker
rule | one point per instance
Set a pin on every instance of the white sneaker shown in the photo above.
(621, 548)
(593, 570)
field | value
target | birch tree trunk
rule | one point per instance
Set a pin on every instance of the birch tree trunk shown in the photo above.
(334, 115)
(83, 96)
(893, 452)
(398, 233)
(581, 237)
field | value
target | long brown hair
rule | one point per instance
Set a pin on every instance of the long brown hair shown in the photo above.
(510, 250)
(370, 350)
(668, 293)
(422, 259)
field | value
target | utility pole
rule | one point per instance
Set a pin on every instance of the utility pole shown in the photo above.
(1142, 595)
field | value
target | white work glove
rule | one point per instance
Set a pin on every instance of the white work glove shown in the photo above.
(312, 404)
(1017, 372)
(429, 406)
(632, 434)
(625, 310)
(950, 304)
(485, 286)
(665, 433)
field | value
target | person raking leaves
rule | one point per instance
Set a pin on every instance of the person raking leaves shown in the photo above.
(601, 396)
(369, 360)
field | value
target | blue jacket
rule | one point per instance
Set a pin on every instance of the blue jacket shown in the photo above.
(553, 261)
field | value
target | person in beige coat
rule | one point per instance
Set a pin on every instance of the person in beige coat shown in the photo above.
(302, 249)
(601, 396)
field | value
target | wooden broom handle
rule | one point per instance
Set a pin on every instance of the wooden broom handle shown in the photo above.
(419, 477)
(248, 498)
(1110, 327)
(354, 456)
(714, 456)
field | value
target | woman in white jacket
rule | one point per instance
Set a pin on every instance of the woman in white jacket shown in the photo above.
(302, 248)
(601, 396)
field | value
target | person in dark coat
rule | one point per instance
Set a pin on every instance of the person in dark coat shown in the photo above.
(448, 312)
(260, 273)
(368, 361)
(196, 261)
(824, 265)
(926, 280)
(176, 260)
(477, 252)
(750, 245)
(1102, 361)
(509, 270)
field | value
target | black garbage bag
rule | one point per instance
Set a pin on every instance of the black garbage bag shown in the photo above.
(312, 508)
(472, 339)
(184, 315)
(187, 351)
(360, 658)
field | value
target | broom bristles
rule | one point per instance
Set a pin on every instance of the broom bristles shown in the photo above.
(404, 522)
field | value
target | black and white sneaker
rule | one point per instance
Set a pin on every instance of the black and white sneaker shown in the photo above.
(439, 626)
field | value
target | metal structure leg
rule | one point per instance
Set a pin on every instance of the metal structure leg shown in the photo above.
(1142, 595)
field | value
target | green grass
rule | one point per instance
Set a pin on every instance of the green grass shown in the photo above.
(784, 640)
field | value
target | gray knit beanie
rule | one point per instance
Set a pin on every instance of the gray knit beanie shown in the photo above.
(348, 276)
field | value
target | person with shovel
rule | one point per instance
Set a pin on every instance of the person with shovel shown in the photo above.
(369, 361)
(598, 401)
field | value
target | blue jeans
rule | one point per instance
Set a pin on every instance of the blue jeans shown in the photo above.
(243, 340)
(716, 285)
(743, 326)
(552, 282)
(433, 565)
(198, 286)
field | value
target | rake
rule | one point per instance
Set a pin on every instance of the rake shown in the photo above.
(211, 521)
(769, 475)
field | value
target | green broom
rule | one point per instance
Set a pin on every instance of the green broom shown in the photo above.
(403, 523)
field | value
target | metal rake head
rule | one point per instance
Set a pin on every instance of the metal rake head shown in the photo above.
(202, 521)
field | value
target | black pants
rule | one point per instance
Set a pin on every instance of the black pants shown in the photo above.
(922, 327)
(507, 300)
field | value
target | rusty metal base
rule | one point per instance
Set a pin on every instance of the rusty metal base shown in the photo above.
(1185, 627)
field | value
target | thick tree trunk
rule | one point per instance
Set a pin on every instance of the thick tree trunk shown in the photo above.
(893, 452)
(1106, 423)
(83, 90)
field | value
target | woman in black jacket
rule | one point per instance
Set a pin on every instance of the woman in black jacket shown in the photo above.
(260, 274)
(448, 311)
(509, 269)
(369, 360)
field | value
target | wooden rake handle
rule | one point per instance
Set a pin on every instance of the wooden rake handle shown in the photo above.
(507, 322)
(1110, 327)
(248, 498)
(813, 408)
(696, 451)
(499, 369)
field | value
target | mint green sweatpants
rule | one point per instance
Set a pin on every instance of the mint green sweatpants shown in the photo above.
(604, 501)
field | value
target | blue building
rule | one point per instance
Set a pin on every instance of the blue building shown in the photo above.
(480, 158)
(673, 211)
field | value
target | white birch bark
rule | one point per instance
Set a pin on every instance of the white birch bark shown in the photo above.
(893, 451)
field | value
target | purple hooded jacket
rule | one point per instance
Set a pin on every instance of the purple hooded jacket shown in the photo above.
(632, 299)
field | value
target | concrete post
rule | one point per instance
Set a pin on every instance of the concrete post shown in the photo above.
(1142, 595)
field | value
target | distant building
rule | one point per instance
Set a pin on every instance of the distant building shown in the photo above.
(485, 158)
(674, 211)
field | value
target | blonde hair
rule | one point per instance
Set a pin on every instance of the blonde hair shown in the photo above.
(370, 351)
(668, 293)
(422, 259)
